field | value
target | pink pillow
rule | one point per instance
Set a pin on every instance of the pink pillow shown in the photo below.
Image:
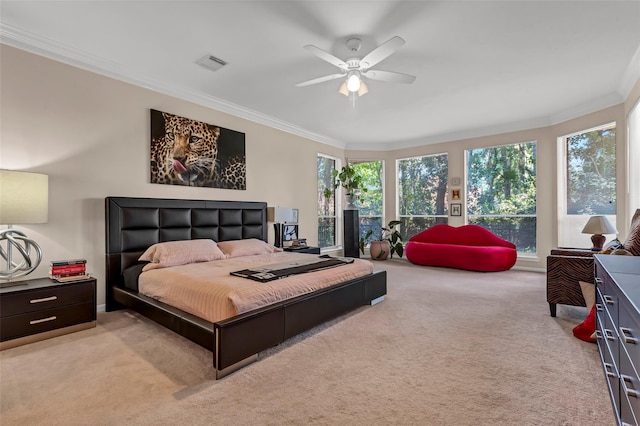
(174, 253)
(248, 247)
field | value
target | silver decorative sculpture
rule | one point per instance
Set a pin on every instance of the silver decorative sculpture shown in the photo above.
(18, 240)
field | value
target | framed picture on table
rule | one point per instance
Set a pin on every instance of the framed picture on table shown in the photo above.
(289, 233)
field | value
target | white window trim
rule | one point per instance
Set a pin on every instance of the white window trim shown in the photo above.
(561, 189)
(526, 256)
(338, 208)
(383, 180)
(397, 185)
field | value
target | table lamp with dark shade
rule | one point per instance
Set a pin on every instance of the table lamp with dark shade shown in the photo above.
(599, 225)
(24, 199)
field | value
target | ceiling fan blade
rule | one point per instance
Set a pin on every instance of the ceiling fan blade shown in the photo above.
(381, 52)
(324, 55)
(320, 80)
(393, 77)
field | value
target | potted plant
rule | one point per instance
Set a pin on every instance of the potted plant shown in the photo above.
(390, 242)
(349, 179)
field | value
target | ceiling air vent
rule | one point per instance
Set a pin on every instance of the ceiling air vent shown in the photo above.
(210, 62)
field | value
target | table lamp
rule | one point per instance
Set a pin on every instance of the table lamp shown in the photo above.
(24, 198)
(598, 225)
(281, 215)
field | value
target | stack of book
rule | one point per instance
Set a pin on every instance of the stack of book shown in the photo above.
(68, 270)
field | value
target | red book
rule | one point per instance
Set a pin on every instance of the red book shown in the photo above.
(55, 270)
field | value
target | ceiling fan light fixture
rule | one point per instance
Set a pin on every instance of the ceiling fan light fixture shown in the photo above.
(354, 68)
(343, 89)
(363, 89)
(353, 81)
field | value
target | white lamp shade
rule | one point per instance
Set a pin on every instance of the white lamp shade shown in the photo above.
(599, 225)
(24, 197)
(282, 214)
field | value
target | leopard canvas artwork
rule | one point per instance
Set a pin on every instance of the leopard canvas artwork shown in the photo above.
(192, 153)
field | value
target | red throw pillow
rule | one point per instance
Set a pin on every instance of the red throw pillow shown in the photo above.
(586, 330)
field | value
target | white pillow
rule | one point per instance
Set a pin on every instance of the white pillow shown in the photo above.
(248, 247)
(174, 253)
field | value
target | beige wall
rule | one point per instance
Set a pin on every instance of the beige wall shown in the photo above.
(90, 134)
(546, 138)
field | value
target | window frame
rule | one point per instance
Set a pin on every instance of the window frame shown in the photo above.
(572, 224)
(468, 217)
(382, 185)
(437, 218)
(337, 206)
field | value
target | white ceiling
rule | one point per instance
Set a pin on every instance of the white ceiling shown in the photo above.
(482, 67)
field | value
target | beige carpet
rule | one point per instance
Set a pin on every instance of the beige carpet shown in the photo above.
(446, 347)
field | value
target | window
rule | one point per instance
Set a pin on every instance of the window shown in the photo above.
(501, 192)
(587, 185)
(370, 205)
(327, 228)
(422, 192)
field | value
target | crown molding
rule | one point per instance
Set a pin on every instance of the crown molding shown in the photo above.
(477, 132)
(586, 108)
(33, 43)
(20, 39)
(595, 105)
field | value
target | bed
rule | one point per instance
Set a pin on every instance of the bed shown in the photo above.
(135, 224)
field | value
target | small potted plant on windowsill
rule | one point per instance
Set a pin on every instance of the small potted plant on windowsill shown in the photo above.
(390, 242)
(349, 179)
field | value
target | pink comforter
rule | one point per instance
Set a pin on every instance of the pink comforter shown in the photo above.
(207, 290)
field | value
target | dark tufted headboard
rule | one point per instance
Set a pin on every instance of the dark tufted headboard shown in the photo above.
(134, 224)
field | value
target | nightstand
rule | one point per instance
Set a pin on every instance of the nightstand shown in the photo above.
(41, 308)
(306, 249)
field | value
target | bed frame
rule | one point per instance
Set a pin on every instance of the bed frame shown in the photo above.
(134, 224)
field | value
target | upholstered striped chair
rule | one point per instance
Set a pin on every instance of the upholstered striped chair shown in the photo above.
(567, 267)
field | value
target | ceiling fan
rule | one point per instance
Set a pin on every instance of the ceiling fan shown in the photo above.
(355, 69)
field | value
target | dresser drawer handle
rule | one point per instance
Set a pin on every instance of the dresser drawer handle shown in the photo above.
(608, 299)
(44, 299)
(598, 280)
(607, 368)
(627, 335)
(53, 318)
(599, 307)
(598, 334)
(629, 391)
(609, 335)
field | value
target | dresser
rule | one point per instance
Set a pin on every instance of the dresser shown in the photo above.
(41, 308)
(618, 332)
